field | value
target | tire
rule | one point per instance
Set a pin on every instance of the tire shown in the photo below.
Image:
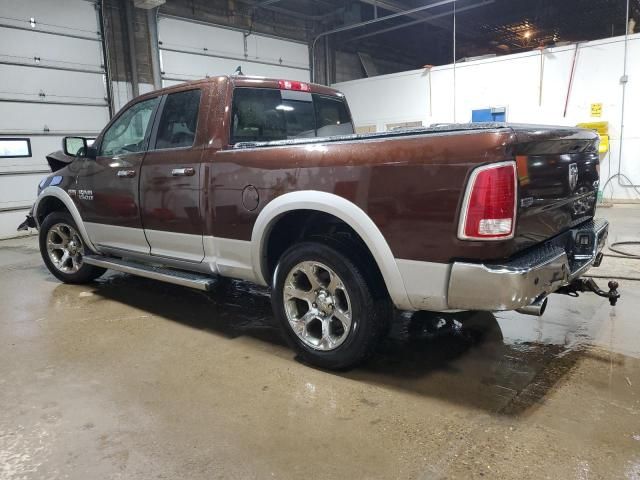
(327, 306)
(59, 236)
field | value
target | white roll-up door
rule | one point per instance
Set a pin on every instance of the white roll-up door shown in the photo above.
(52, 84)
(191, 50)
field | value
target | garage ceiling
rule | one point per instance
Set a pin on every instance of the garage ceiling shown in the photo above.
(483, 26)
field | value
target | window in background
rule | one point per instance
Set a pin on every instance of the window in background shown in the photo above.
(15, 147)
(402, 125)
(366, 129)
(179, 120)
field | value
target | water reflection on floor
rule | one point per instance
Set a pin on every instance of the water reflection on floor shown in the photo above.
(508, 369)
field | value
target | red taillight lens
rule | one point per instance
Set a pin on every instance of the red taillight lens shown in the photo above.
(488, 211)
(289, 85)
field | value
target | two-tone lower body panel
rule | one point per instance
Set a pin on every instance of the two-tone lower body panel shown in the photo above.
(532, 275)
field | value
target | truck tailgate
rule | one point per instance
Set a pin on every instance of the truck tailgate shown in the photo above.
(558, 173)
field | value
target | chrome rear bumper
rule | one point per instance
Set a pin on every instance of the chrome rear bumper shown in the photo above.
(520, 281)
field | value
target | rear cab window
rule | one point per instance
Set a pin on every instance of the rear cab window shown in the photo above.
(267, 114)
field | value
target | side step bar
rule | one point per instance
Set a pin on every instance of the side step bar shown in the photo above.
(177, 277)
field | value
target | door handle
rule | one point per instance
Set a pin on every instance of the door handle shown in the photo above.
(183, 172)
(126, 173)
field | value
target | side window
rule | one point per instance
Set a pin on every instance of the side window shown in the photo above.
(129, 132)
(332, 117)
(179, 120)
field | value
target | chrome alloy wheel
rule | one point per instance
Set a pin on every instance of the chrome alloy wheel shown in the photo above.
(317, 305)
(65, 248)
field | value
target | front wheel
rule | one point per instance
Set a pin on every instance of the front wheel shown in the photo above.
(326, 306)
(62, 250)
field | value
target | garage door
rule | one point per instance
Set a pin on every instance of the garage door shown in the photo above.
(190, 50)
(52, 84)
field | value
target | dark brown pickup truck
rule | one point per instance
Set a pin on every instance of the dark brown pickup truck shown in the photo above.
(264, 180)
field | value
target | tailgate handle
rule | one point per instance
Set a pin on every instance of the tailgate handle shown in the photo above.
(183, 172)
(126, 173)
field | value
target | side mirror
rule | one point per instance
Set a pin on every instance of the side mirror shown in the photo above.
(78, 147)
(74, 146)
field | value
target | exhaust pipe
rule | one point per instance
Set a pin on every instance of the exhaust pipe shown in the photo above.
(537, 308)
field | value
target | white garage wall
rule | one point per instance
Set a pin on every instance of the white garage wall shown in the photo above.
(513, 81)
(52, 83)
(190, 50)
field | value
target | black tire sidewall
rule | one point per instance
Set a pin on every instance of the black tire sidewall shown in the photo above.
(365, 327)
(86, 273)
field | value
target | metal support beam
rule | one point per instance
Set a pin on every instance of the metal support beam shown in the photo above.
(369, 22)
(128, 13)
(264, 3)
(104, 44)
(422, 20)
(269, 5)
(394, 6)
(152, 22)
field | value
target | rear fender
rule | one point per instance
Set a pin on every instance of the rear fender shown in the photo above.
(346, 211)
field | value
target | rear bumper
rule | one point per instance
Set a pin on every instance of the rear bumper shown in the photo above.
(518, 282)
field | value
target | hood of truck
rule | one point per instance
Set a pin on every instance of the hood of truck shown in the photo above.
(58, 160)
(558, 174)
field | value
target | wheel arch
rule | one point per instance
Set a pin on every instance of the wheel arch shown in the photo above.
(57, 196)
(342, 209)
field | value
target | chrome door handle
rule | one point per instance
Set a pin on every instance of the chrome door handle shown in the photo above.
(126, 173)
(183, 172)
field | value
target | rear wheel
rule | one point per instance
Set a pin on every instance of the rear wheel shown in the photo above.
(327, 306)
(63, 250)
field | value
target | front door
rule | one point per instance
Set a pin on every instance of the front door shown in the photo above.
(170, 179)
(107, 190)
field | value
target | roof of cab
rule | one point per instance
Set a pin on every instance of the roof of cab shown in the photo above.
(247, 81)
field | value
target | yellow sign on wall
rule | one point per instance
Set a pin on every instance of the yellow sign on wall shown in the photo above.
(603, 131)
(596, 109)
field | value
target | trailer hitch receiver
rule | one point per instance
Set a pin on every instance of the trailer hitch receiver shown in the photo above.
(589, 285)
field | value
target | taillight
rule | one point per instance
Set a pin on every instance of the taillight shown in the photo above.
(489, 207)
(289, 85)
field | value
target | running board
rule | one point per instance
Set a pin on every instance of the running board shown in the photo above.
(177, 277)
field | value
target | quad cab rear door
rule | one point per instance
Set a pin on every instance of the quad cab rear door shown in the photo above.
(170, 182)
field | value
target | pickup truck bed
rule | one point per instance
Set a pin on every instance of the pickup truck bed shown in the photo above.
(400, 197)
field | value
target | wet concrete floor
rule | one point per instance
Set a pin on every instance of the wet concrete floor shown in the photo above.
(129, 378)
